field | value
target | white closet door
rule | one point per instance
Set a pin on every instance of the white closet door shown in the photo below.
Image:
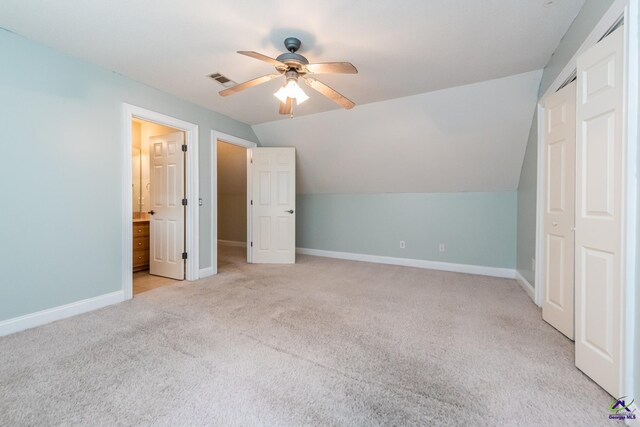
(559, 216)
(273, 183)
(599, 305)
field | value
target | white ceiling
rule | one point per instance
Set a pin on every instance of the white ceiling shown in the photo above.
(401, 48)
(467, 138)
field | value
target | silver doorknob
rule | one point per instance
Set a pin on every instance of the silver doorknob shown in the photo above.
(289, 211)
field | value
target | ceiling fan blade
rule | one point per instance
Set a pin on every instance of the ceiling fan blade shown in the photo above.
(331, 68)
(286, 107)
(329, 93)
(262, 57)
(246, 85)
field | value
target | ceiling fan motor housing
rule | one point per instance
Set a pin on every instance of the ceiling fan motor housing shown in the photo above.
(293, 60)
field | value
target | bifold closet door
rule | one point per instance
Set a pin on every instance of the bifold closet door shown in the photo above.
(559, 215)
(599, 208)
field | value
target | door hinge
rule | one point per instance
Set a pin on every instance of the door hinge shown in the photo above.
(184, 202)
(184, 255)
(184, 147)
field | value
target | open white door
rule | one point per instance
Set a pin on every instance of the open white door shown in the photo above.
(599, 208)
(559, 212)
(273, 202)
(167, 212)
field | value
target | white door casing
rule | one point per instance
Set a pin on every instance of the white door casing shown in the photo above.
(273, 192)
(559, 213)
(599, 209)
(167, 191)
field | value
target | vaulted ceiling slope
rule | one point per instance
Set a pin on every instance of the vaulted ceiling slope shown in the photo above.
(401, 48)
(467, 138)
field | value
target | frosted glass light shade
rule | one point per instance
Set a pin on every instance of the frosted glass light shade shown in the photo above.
(291, 90)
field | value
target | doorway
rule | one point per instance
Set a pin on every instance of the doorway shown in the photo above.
(182, 142)
(273, 182)
(158, 216)
(245, 146)
(232, 204)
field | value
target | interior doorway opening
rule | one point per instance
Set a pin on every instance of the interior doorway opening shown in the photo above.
(158, 215)
(232, 204)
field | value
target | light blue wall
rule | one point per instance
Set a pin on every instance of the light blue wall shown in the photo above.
(477, 228)
(585, 22)
(60, 181)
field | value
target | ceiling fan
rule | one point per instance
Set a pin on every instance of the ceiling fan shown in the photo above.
(295, 66)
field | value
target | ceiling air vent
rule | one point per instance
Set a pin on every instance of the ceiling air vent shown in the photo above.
(224, 81)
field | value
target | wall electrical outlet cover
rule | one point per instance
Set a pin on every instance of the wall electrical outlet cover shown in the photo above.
(441, 247)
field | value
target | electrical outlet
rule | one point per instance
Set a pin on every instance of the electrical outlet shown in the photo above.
(533, 264)
(401, 244)
(441, 248)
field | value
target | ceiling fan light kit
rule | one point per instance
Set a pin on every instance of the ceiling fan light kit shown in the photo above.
(293, 66)
(291, 89)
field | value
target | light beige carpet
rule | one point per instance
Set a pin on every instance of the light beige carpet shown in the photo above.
(322, 342)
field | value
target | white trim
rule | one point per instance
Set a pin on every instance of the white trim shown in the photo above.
(610, 17)
(250, 206)
(530, 290)
(206, 272)
(49, 315)
(215, 137)
(232, 243)
(539, 262)
(506, 273)
(630, 182)
(192, 192)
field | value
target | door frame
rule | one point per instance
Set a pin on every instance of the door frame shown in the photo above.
(629, 11)
(191, 192)
(229, 139)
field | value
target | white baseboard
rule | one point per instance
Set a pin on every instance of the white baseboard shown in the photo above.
(232, 243)
(49, 315)
(206, 272)
(528, 288)
(507, 273)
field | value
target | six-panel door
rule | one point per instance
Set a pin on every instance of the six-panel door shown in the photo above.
(167, 221)
(273, 180)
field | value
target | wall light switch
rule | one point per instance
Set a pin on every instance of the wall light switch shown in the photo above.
(401, 244)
